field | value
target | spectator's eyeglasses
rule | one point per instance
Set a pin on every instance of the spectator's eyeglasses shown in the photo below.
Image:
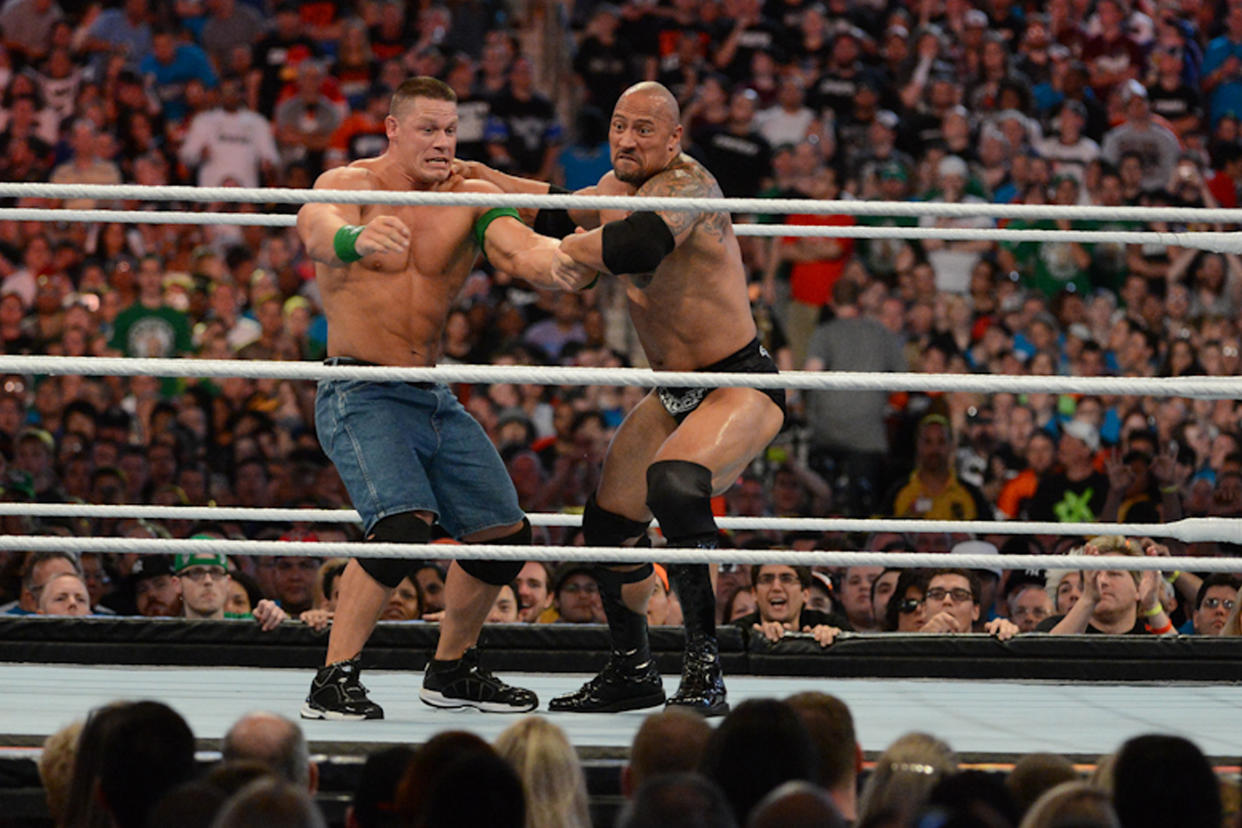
(957, 594)
(198, 574)
(785, 578)
(909, 605)
(1216, 603)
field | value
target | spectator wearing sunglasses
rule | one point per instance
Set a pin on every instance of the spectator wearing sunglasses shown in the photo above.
(951, 605)
(904, 610)
(1213, 603)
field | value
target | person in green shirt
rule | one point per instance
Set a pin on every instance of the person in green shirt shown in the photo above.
(150, 328)
(204, 583)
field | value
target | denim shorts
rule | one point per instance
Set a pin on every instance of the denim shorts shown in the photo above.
(404, 447)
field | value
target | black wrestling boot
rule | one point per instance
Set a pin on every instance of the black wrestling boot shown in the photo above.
(337, 694)
(702, 684)
(463, 683)
(630, 680)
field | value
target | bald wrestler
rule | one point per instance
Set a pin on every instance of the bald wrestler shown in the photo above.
(409, 454)
(686, 287)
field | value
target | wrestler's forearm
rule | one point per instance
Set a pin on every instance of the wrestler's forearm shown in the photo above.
(317, 226)
(587, 249)
(534, 263)
(507, 183)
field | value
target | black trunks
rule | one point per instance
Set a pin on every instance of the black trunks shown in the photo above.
(752, 358)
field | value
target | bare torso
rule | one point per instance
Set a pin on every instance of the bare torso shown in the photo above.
(390, 309)
(694, 309)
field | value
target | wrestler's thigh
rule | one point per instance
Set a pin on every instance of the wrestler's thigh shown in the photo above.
(623, 481)
(728, 429)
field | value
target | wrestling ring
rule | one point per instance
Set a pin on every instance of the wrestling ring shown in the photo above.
(991, 701)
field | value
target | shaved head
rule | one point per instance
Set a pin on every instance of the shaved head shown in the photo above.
(655, 97)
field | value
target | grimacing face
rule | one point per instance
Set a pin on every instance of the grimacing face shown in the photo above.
(643, 136)
(423, 136)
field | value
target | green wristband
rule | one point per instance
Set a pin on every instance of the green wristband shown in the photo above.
(344, 240)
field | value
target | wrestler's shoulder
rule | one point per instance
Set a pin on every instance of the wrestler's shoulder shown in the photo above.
(355, 176)
(685, 177)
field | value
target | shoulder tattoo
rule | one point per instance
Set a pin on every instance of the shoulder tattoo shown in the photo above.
(687, 181)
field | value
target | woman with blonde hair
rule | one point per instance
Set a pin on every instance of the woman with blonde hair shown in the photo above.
(904, 775)
(551, 774)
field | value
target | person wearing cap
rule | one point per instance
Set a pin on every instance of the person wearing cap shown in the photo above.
(203, 581)
(1077, 492)
(1155, 144)
(951, 605)
(157, 593)
(780, 594)
(953, 260)
(1027, 600)
(1069, 150)
(575, 596)
(663, 609)
(933, 490)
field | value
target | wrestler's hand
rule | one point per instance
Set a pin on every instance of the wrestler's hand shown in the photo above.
(464, 169)
(568, 273)
(269, 615)
(383, 234)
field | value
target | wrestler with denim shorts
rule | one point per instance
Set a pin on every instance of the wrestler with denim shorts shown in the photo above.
(409, 454)
(686, 286)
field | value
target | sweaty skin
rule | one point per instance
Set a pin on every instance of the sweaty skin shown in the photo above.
(390, 307)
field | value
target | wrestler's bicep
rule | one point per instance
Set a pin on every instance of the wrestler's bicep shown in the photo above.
(681, 183)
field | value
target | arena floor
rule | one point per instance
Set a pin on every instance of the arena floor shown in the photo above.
(982, 720)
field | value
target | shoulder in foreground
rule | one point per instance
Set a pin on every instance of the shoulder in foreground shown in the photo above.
(351, 177)
(683, 177)
(473, 185)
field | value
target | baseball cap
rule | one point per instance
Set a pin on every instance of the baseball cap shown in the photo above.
(1132, 88)
(887, 118)
(567, 569)
(952, 165)
(150, 566)
(185, 561)
(1082, 430)
(978, 547)
(893, 171)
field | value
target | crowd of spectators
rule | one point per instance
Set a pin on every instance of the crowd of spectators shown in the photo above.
(943, 101)
(793, 763)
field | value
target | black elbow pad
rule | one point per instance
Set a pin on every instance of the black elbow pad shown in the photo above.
(554, 223)
(636, 244)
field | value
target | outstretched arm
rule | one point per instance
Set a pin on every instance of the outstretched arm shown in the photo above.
(333, 234)
(477, 171)
(516, 249)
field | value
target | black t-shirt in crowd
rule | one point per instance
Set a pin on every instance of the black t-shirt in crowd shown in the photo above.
(1062, 500)
(739, 162)
(1139, 628)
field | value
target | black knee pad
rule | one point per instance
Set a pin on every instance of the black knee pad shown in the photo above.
(614, 579)
(405, 527)
(499, 573)
(679, 494)
(601, 527)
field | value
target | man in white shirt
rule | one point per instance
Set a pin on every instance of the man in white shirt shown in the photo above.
(230, 142)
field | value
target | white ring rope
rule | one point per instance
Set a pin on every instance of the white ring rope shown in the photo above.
(1199, 387)
(1187, 530)
(602, 554)
(257, 195)
(1216, 242)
